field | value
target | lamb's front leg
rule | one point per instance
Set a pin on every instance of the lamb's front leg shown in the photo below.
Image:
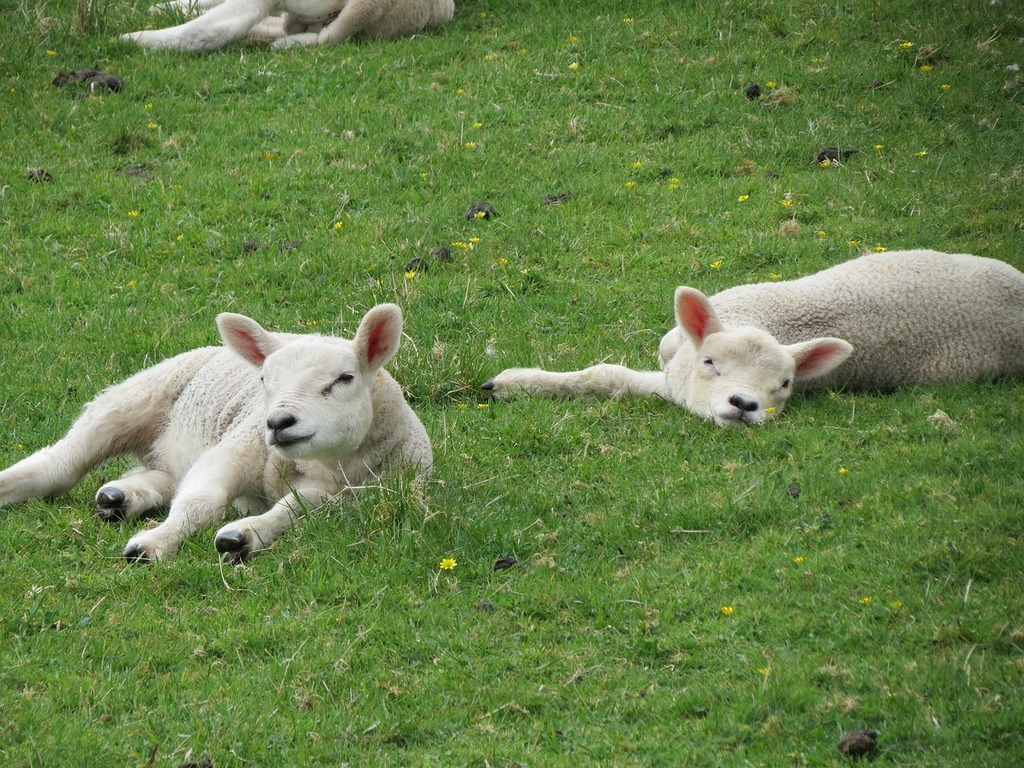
(602, 380)
(241, 538)
(221, 25)
(203, 496)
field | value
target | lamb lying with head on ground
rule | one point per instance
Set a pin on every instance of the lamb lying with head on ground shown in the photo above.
(293, 22)
(878, 322)
(275, 424)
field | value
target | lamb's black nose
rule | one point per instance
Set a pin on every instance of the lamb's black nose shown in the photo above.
(742, 403)
(280, 421)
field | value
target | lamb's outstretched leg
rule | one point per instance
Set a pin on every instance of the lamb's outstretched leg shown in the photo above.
(241, 538)
(184, 6)
(603, 380)
(221, 25)
(134, 494)
(203, 496)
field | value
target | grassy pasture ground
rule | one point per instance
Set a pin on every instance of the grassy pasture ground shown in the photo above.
(683, 595)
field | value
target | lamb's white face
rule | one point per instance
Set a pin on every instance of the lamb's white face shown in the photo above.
(318, 399)
(736, 378)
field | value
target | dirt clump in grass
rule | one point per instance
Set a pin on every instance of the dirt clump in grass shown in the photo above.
(93, 79)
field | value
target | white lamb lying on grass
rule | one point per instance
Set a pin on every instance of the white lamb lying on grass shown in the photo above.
(877, 322)
(273, 423)
(304, 22)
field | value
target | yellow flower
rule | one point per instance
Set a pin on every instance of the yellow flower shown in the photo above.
(787, 203)
(473, 241)
(742, 198)
(149, 105)
(865, 601)
(490, 56)
(879, 146)
(853, 243)
(410, 274)
(770, 409)
(799, 559)
(424, 175)
(727, 610)
(575, 65)
(765, 671)
(922, 153)
(524, 271)
(879, 248)
(269, 155)
(447, 564)
(338, 225)
(460, 91)
(133, 214)
(906, 45)
(627, 20)
(573, 39)
(843, 470)
(716, 264)
(51, 53)
(630, 184)
(638, 165)
(470, 145)
(771, 83)
(481, 405)
(502, 262)
(822, 233)
(673, 183)
(478, 125)
(945, 86)
(152, 126)
(926, 67)
(825, 163)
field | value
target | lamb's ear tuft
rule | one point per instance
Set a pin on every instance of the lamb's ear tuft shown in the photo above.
(819, 356)
(246, 337)
(379, 335)
(695, 315)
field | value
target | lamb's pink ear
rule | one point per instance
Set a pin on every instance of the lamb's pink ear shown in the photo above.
(246, 337)
(695, 315)
(818, 356)
(379, 335)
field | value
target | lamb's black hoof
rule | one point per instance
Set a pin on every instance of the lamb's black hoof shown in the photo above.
(232, 545)
(110, 504)
(136, 554)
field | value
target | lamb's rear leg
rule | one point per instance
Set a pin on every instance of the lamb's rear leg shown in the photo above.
(134, 494)
(219, 26)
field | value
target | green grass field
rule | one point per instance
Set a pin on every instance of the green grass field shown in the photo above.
(684, 595)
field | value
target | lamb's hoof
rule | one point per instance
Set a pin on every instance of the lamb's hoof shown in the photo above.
(133, 553)
(110, 504)
(232, 545)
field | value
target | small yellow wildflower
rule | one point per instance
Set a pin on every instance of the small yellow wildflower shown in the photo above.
(179, 238)
(727, 610)
(502, 262)
(338, 225)
(424, 175)
(133, 214)
(742, 198)
(843, 470)
(447, 564)
(853, 243)
(945, 86)
(825, 163)
(575, 65)
(473, 241)
(410, 274)
(478, 125)
(481, 406)
(483, 14)
(770, 409)
(822, 233)
(524, 271)
(573, 39)
(879, 248)
(926, 67)
(491, 56)
(765, 671)
(786, 203)
(799, 559)
(269, 155)
(51, 53)
(628, 20)
(716, 264)
(865, 600)
(638, 165)
(922, 153)
(149, 105)
(879, 146)
(630, 184)
(152, 126)
(906, 45)
(673, 183)
(460, 91)
(470, 145)
(771, 83)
